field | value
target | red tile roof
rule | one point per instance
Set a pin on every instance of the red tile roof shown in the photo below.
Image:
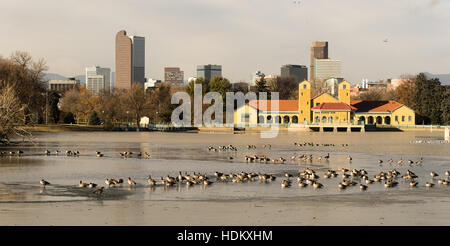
(334, 106)
(376, 106)
(283, 105)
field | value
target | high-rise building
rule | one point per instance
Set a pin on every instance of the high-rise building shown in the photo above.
(98, 78)
(298, 72)
(319, 50)
(209, 71)
(174, 75)
(130, 60)
(327, 68)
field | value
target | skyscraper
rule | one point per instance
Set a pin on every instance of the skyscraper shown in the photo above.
(209, 71)
(174, 75)
(130, 60)
(327, 68)
(319, 50)
(98, 78)
(298, 72)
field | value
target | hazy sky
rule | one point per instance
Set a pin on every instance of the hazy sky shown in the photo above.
(241, 35)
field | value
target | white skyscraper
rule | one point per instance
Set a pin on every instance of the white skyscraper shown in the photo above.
(98, 78)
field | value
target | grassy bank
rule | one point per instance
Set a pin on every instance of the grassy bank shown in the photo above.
(62, 128)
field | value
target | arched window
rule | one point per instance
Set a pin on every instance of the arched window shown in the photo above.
(379, 120)
(387, 120)
(286, 119)
(370, 120)
(269, 119)
(295, 119)
(278, 119)
(362, 120)
(261, 119)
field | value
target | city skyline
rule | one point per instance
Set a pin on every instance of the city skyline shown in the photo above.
(244, 40)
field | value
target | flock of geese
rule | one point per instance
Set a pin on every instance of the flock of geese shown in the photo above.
(305, 177)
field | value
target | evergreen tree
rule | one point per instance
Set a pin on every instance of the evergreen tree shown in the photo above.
(261, 86)
(53, 100)
(427, 97)
(69, 118)
(93, 119)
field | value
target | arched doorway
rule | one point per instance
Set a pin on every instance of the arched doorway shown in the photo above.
(362, 120)
(379, 120)
(295, 119)
(370, 120)
(261, 119)
(324, 119)
(330, 119)
(269, 119)
(286, 119)
(317, 119)
(278, 119)
(387, 120)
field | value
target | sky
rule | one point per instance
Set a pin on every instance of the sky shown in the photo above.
(241, 35)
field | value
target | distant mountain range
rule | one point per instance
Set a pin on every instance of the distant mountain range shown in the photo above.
(444, 78)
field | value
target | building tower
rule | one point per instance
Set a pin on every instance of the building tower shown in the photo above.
(344, 92)
(130, 60)
(304, 102)
(319, 50)
(298, 72)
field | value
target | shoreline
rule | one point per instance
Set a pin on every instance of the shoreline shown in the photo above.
(100, 128)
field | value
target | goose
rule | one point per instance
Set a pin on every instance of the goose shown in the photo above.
(380, 162)
(180, 177)
(440, 181)
(447, 173)
(429, 185)
(317, 185)
(82, 184)
(99, 154)
(92, 185)
(206, 182)
(445, 182)
(433, 174)
(369, 181)
(301, 184)
(342, 186)
(109, 182)
(151, 181)
(47, 152)
(419, 162)
(44, 183)
(99, 191)
(363, 187)
(288, 175)
(285, 183)
(413, 183)
(120, 181)
(349, 158)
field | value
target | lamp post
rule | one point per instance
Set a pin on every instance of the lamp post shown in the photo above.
(127, 119)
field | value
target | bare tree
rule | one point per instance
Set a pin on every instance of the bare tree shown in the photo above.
(135, 99)
(11, 114)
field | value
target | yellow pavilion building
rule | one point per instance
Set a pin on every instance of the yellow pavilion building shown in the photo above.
(323, 109)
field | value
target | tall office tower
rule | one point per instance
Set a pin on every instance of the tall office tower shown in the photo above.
(174, 75)
(209, 71)
(130, 60)
(327, 68)
(298, 72)
(319, 50)
(98, 78)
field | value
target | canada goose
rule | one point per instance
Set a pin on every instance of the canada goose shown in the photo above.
(285, 183)
(206, 182)
(433, 174)
(447, 173)
(349, 158)
(44, 183)
(317, 185)
(288, 175)
(92, 185)
(363, 187)
(380, 162)
(82, 184)
(445, 182)
(390, 184)
(99, 191)
(301, 184)
(120, 181)
(99, 155)
(131, 182)
(429, 185)
(369, 181)
(342, 186)
(47, 152)
(109, 182)
(413, 183)
(151, 181)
